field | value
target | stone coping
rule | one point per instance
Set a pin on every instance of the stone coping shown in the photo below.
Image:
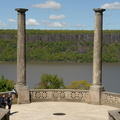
(58, 90)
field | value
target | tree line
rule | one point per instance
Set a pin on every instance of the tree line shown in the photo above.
(38, 31)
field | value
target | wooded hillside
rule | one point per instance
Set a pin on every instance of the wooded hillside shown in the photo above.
(60, 45)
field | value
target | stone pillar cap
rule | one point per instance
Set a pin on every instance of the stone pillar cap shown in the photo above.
(21, 9)
(99, 9)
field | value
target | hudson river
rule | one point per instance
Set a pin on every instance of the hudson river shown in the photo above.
(68, 71)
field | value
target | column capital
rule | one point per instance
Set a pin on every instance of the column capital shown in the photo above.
(100, 10)
(21, 10)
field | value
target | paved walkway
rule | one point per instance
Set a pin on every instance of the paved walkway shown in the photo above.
(72, 111)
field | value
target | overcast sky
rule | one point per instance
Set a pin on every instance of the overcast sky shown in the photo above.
(60, 14)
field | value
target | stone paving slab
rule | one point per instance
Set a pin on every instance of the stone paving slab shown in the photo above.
(72, 111)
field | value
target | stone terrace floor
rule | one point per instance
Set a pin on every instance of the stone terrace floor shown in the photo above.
(72, 111)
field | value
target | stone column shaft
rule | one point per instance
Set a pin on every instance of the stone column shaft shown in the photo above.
(21, 47)
(97, 88)
(22, 89)
(97, 54)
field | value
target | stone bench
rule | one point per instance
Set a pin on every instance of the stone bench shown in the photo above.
(4, 114)
(114, 114)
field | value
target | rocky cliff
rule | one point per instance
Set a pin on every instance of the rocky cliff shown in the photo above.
(108, 38)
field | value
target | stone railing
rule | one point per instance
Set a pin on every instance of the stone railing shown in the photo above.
(6, 93)
(111, 99)
(58, 95)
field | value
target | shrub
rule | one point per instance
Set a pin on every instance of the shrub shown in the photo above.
(5, 84)
(82, 84)
(50, 82)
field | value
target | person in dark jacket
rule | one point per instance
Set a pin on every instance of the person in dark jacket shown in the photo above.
(9, 101)
(3, 101)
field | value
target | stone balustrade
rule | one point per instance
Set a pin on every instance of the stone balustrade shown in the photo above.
(6, 93)
(107, 98)
(58, 95)
(75, 95)
(111, 99)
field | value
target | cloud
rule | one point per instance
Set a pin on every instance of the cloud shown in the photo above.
(32, 22)
(57, 24)
(56, 17)
(2, 24)
(11, 20)
(48, 5)
(115, 5)
(45, 21)
(80, 26)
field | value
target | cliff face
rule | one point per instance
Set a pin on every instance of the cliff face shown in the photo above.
(107, 38)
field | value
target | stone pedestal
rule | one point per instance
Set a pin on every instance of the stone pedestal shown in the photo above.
(23, 94)
(95, 94)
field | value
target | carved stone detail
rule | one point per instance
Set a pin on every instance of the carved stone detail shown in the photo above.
(112, 98)
(58, 94)
(77, 95)
(40, 95)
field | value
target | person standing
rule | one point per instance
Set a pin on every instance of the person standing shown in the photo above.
(9, 101)
(3, 101)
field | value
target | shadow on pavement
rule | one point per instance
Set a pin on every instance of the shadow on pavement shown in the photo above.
(13, 112)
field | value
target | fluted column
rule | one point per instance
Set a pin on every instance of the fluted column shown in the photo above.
(21, 47)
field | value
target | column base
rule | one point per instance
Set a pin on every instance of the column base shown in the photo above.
(95, 94)
(23, 94)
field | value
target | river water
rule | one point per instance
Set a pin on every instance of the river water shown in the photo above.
(68, 71)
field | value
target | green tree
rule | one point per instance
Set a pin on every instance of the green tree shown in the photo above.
(50, 82)
(5, 84)
(82, 84)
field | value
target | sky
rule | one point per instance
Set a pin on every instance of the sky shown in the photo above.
(60, 14)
